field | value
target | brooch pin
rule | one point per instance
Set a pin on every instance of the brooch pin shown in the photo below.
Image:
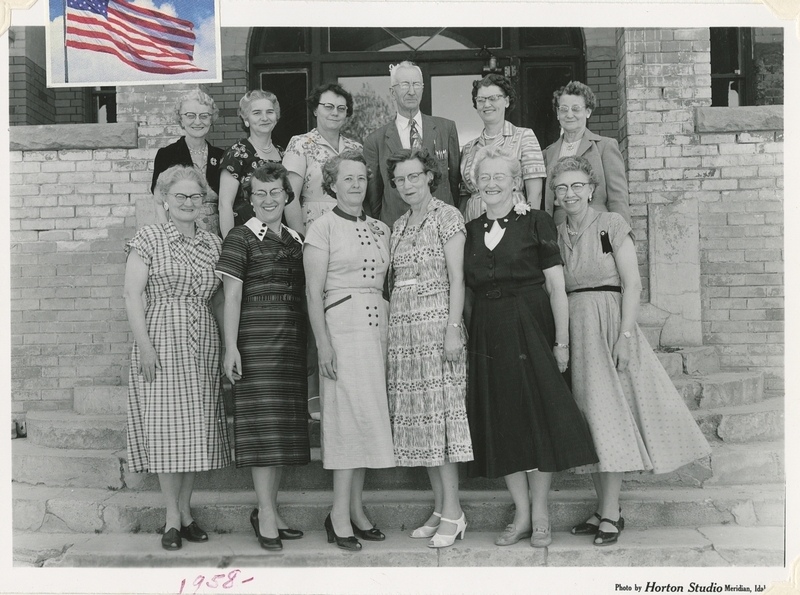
(213, 161)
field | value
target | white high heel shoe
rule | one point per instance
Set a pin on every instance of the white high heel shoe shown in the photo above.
(440, 540)
(425, 531)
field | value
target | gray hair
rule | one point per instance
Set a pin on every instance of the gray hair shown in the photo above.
(201, 97)
(393, 68)
(495, 152)
(250, 97)
(178, 173)
(572, 163)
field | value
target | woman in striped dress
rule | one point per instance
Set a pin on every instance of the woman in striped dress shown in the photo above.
(176, 422)
(265, 346)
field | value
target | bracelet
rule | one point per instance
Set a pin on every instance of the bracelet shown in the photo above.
(562, 345)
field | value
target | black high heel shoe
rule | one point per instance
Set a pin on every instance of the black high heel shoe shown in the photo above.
(171, 540)
(373, 534)
(268, 543)
(290, 533)
(606, 538)
(346, 543)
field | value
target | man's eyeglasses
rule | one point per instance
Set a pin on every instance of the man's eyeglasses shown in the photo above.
(274, 193)
(331, 107)
(405, 86)
(204, 117)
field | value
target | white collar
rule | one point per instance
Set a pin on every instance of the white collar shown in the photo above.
(259, 228)
(403, 122)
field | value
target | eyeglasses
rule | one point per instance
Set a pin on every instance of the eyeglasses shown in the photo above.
(561, 189)
(204, 117)
(405, 86)
(330, 107)
(492, 98)
(486, 178)
(410, 178)
(565, 109)
(274, 193)
(181, 198)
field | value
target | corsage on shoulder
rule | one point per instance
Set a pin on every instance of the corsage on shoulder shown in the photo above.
(521, 208)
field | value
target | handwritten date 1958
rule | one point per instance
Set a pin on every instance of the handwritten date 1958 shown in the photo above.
(226, 581)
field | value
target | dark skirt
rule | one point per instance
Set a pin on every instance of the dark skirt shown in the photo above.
(521, 413)
(271, 401)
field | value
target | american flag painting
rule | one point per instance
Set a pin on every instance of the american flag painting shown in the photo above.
(145, 39)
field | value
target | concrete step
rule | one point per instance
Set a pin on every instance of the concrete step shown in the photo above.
(689, 547)
(66, 429)
(744, 423)
(84, 510)
(720, 389)
(699, 360)
(729, 464)
(100, 400)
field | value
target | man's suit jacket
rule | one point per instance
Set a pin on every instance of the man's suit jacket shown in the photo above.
(603, 155)
(439, 136)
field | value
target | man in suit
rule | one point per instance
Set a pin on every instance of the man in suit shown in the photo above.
(411, 129)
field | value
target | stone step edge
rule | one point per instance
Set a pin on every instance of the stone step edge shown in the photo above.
(713, 545)
(768, 404)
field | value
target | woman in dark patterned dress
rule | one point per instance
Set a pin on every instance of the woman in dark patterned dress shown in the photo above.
(265, 346)
(259, 112)
(195, 112)
(176, 422)
(523, 420)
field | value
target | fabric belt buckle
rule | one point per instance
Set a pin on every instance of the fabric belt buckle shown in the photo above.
(494, 294)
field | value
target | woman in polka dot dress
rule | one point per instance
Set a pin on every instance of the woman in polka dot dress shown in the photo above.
(637, 418)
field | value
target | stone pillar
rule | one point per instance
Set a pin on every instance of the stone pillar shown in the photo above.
(663, 74)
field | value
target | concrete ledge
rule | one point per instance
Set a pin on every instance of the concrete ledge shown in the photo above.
(739, 119)
(73, 136)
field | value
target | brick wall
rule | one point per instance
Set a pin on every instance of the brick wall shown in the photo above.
(71, 212)
(601, 76)
(664, 74)
(741, 238)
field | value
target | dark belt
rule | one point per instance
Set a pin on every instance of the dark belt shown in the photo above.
(272, 297)
(615, 288)
(498, 292)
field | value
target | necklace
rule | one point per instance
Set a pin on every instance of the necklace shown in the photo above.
(264, 150)
(494, 136)
(201, 151)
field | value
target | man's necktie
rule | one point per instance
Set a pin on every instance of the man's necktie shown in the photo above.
(415, 140)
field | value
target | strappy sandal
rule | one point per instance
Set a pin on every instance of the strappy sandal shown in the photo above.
(587, 528)
(604, 537)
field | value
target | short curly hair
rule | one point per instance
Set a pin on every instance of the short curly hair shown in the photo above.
(313, 100)
(496, 152)
(330, 171)
(427, 161)
(178, 173)
(577, 89)
(250, 97)
(496, 80)
(201, 97)
(269, 172)
(567, 164)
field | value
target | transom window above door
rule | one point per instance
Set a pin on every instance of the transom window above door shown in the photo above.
(385, 39)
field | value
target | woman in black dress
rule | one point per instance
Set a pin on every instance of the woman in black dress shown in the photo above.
(195, 113)
(522, 418)
(261, 267)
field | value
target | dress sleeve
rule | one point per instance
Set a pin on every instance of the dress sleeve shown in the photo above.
(545, 231)
(450, 223)
(319, 235)
(144, 242)
(232, 161)
(618, 228)
(531, 159)
(233, 260)
(294, 159)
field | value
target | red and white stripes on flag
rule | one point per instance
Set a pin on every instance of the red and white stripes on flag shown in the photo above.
(145, 39)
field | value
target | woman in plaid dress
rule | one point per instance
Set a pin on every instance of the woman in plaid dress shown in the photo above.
(176, 422)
